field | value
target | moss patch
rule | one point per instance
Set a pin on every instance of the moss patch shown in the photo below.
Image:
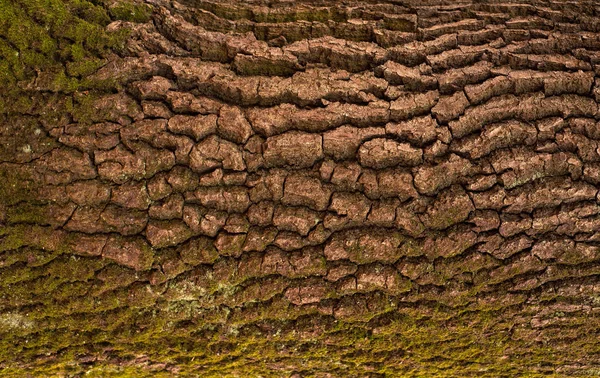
(54, 44)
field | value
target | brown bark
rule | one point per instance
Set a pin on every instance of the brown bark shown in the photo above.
(313, 189)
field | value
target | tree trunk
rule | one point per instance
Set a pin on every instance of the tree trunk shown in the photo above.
(309, 188)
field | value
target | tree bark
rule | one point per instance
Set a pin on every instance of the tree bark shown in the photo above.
(311, 188)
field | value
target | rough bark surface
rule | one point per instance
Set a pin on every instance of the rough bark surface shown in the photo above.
(312, 188)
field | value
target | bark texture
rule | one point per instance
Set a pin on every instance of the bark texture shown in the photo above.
(312, 188)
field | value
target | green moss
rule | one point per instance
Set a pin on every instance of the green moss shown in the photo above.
(28, 213)
(74, 268)
(80, 68)
(16, 184)
(35, 236)
(129, 11)
(18, 273)
(60, 42)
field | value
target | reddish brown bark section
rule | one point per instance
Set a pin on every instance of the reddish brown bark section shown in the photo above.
(403, 189)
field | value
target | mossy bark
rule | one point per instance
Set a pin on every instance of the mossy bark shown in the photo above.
(207, 188)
